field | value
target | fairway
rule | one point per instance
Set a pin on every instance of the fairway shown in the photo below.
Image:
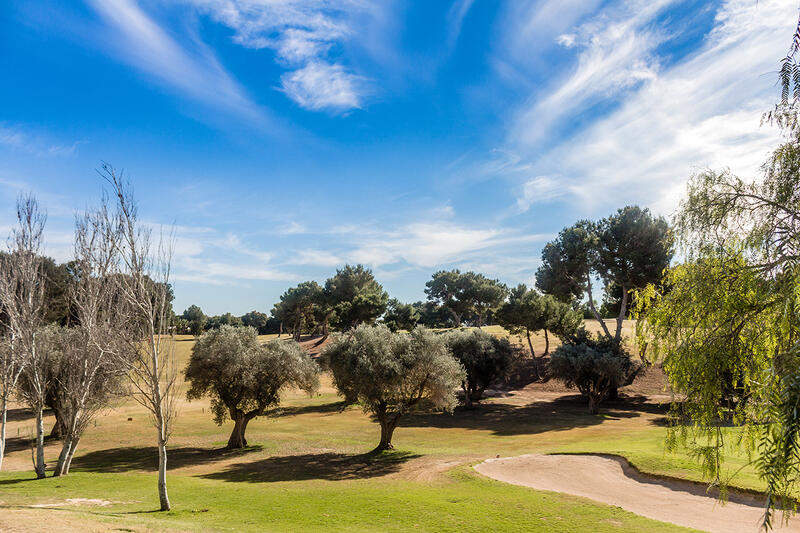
(309, 467)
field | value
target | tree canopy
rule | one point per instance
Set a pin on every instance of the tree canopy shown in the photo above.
(628, 249)
(485, 359)
(355, 296)
(243, 377)
(400, 316)
(390, 374)
(465, 293)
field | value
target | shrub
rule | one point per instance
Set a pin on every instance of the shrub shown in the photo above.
(594, 366)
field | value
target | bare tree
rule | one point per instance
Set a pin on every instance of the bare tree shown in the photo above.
(142, 287)
(10, 370)
(88, 374)
(22, 298)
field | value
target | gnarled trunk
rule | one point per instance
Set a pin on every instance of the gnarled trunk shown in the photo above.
(546, 342)
(537, 374)
(237, 438)
(387, 429)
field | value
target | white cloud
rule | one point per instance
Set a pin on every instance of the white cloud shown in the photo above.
(319, 86)
(302, 34)
(615, 54)
(703, 111)
(539, 190)
(419, 244)
(142, 42)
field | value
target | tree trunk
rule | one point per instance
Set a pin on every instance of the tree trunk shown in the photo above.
(623, 312)
(39, 465)
(325, 321)
(477, 393)
(59, 430)
(593, 309)
(537, 375)
(593, 404)
(62, 457)
(71, 454)
(3, 422)
(163, 497)
(456, 317)
(546, 343)
(467, 395)
(387, 429)
(480, 320)
(237, 438)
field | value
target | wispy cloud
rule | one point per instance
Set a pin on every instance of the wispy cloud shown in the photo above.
(139, 40)
(427, 244)
(20, 138)
(615, 53)
(303, 34)
(702, 111)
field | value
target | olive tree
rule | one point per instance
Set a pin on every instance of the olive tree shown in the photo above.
(595, 366)
(392, 373)
(243, 377)
(485, 359)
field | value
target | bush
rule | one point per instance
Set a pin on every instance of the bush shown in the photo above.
(485, 359)
(594, 366)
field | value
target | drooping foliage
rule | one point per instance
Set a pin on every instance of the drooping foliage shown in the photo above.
(726, 323)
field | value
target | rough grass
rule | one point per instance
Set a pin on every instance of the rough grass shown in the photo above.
(309, 468)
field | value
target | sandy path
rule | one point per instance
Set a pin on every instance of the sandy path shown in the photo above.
(614, 482)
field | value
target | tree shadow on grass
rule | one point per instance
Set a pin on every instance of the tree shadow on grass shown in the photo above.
(328, 466)
(23, 413)
(564, 413)
(325, 408)
(146, 458)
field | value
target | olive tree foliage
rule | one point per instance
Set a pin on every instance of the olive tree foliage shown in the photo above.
(465, 293)
(727, 326)
(22, 296)
(390, 374)
(597, 367)
(400, 316)
(243, 377)
(355, 297)
(485, 358)
(630, 249)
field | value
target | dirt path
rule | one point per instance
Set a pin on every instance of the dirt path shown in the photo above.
(614, 482)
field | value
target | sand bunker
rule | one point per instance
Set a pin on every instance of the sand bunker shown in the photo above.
(613, 481)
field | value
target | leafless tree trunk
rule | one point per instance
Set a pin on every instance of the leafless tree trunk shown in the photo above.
(142, 286)
(22, 298)
(10, 369)
(89, 374)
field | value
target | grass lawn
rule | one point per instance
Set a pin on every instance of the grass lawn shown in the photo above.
(309, 468)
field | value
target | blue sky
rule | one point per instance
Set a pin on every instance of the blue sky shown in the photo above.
(283, 138)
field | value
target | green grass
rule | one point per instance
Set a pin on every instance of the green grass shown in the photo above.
(462, 501)
(309, 469)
